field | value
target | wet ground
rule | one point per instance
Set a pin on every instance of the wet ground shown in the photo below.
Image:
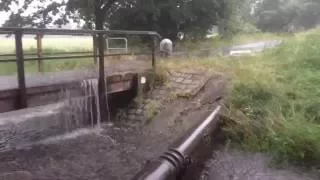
(238, 165)
(113, 151)
(119, 150)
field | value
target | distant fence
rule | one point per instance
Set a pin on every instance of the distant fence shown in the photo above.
(98, 53)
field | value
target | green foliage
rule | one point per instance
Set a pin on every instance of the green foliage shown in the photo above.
(288, 15)
(194, 17)
(168, 17)
(151, 110)
(280, 98)
(42, 14)
(274, 102)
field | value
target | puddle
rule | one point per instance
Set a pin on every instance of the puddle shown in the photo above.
(235, 165)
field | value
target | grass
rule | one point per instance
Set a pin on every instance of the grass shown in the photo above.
(51, 45)
(152, 109)
(274, 101)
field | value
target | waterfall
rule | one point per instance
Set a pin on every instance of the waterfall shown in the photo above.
(91, 100)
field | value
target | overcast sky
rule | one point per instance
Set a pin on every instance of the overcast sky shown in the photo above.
(5, 15)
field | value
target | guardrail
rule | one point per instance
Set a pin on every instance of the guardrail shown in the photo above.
(98, 52)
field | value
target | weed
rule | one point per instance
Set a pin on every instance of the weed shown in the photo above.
(151, 110)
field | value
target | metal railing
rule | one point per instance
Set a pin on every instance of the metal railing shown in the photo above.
(172, 163)
(98, 52)
(117, 48)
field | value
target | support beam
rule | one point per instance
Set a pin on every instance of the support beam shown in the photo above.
(101, 46)
(95, 49)
(154, 41)
(22, 103)
(39, 52)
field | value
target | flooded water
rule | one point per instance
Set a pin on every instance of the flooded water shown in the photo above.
(239, 165)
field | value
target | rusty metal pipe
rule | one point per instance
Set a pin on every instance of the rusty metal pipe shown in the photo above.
(174, 161)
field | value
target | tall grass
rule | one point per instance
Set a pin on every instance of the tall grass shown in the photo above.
(274, 101)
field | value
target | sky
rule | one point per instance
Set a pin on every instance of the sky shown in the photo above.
(5, 15)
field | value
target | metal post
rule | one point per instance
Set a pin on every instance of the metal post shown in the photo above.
(102, 84)
(39, 52)
(153, 52)
(95, 53)
(20, 70)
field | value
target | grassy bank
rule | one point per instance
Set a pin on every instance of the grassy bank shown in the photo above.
(274, 101)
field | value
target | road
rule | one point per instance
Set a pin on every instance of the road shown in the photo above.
(252, 48)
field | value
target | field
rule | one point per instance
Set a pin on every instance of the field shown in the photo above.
(51, 44)
(59, 43)
(274, 100)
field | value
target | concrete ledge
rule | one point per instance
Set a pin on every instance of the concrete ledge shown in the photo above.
(25, 127)
(52, 93)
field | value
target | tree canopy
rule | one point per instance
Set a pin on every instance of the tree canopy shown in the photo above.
(194, 17)
(288, 15)
(168, 17)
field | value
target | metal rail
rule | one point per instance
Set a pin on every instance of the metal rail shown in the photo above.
(175, 160)
(117, 48)
(48, 53)
(98, 52)
(6, 30)
(45, 58)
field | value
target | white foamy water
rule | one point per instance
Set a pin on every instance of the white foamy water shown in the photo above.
(44, 111)
(90, 87)
(72, 135)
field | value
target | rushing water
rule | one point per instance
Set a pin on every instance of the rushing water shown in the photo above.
(90, 87)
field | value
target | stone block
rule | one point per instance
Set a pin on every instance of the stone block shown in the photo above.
(139, 111)
(17, 175)
(114, 78)
(128, 76)
(187, 81)
(132, 111)
(179, 80)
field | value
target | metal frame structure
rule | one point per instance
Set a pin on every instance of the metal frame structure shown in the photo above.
(117, 38)
(99, 35)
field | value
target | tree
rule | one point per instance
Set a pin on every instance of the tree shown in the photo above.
(168, 17)
(194, 17)
(288, 15)
(41, 13)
